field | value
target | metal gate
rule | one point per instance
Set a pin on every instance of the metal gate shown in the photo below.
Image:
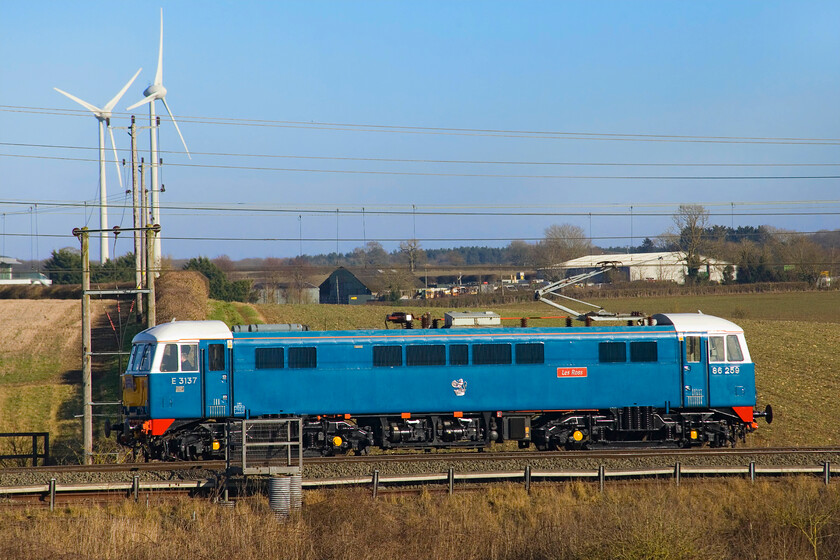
(266, 446)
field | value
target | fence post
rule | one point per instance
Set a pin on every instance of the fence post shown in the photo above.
(677, 472)
(451, 479)
(827, 472)
(601, 476)
(375, 482)
(752, 471)
(52, 494)
(528, 479)
(34, 450)
(135, 487)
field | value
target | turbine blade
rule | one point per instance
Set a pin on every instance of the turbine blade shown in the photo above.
(159, 73)
(148, 99)
(96, 110)
(110, 104)
(165, 104)
(116, 157)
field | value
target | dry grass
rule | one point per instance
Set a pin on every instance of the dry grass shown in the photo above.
(794, 518)
(181, 295)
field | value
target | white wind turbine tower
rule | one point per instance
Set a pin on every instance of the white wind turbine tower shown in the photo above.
(103, 115)
(153, 93)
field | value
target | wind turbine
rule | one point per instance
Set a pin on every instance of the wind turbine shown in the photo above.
(103, 115)
(153, 93)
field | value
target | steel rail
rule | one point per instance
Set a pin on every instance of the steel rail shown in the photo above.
(170, 466)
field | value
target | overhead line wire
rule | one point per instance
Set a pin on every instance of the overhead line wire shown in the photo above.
(483, 175)
(487, 132)
(426, 160)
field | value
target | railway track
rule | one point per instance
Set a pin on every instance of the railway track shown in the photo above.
(455, 457)
(405, 472)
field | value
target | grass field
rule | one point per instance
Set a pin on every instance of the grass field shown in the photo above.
(795, 518)
(793, 337)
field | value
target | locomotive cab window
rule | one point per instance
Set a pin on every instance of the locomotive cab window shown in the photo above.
(303, 357)
(459, 355)
(425, 355)
(146, 358)
(716, 349)
(643, 352)
(692, 349)
(484, 354)
(530, 353)
(733, 349)
(169, 360)
(216, 357)
(189, 357)
(268, 358)
(387, 356)
(612, 352)
(139, 356)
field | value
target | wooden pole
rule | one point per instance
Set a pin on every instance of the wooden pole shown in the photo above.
(138, 235)
(150, 274)
(144, 218)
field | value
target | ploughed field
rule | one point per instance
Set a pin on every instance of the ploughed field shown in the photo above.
(793, 338)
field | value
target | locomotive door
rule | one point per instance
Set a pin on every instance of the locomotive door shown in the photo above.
(215, 366)
(695, 367)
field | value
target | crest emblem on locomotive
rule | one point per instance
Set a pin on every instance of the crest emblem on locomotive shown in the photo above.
(460, 387)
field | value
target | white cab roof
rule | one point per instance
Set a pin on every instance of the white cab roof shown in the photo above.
(185, 330)
(697, 322)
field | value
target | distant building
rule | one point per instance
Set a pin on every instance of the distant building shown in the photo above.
(286, 292)
(9, 277)
(359, 285)
(651, 267)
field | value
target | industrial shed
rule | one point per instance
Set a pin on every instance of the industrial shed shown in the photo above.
(286, 292)
(359, 285)
(652, 267)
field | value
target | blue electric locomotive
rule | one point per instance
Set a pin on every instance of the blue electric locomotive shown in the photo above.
(686, 380)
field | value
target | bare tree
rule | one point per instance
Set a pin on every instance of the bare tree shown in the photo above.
(413, 253)
(562, 242)
(375, 255)
(691, 222)
(225, 264)
(520, 253)
(801, 255)
(273, 273)
(300, 273)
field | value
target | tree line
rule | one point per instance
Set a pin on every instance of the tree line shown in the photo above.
(760, 254)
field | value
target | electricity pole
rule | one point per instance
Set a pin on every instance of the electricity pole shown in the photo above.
(138, 236)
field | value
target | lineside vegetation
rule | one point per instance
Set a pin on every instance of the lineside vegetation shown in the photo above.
(704, 518)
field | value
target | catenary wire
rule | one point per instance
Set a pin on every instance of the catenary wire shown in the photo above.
(489, 132)
(483, 175)
(427, 160)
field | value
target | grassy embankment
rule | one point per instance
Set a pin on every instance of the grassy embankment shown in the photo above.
(796, 518)
(793, 338)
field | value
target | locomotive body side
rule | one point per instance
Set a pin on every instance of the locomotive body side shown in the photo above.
(446, 370)
(686, 381)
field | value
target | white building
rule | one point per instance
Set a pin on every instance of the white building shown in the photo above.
(10, 277)
(651, 267)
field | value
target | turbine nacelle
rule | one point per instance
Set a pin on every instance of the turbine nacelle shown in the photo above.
(156, 90)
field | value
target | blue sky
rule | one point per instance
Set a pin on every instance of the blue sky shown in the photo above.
(689, 69)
